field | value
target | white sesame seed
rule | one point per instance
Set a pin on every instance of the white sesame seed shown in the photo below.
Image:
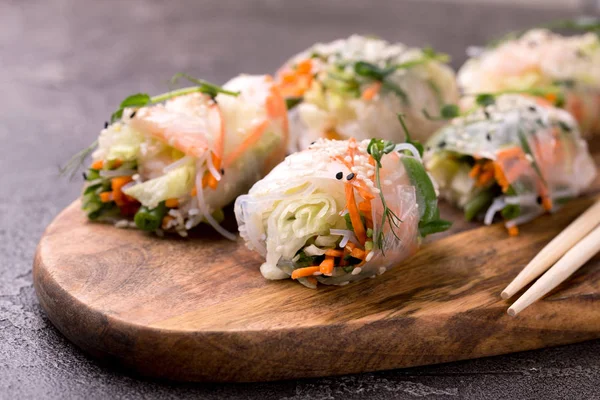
(344, 283)
(317, 273)
(381, 270)
(356, 271)
(387, 182)
(348, 159)
(369, 256)
(370, 173)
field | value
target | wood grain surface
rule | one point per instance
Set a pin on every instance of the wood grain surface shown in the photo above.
(198, 309)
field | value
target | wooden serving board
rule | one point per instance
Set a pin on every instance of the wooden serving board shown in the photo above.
(198, 309)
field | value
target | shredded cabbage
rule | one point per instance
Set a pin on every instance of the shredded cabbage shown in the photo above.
(174, 184)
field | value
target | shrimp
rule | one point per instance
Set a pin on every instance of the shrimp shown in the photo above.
(186, 123)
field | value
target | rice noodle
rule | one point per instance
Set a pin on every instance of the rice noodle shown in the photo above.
(177, 164)
(522, 200)
(409, 147)
(212, 169)
(347, 236)
(524, 218)
(496, 206)
(205, 212)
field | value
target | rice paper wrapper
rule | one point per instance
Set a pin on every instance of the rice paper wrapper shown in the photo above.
(558, 161)
(303, 191)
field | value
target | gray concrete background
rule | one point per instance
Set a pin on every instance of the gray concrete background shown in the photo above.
(64, 64)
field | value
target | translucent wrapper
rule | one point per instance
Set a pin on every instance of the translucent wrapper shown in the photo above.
(520, 155)
(182, 161)
(541, 59)
(297, 212)
(338, 103)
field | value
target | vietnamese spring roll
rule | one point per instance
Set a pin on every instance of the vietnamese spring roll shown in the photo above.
(355, 87)
(170, 162)
(340, 211)
(540, 59)
(517, 157)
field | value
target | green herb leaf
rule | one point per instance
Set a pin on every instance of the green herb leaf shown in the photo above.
(136, 100)
(450, 111)
(368, 70)
(432, 227)
(485, 99)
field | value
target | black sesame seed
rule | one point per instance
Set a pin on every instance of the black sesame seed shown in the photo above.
(132, 114)
(350, 176)
(539, 199)
(339, 175)
(84, 176)
(442, 144)
(532, 108)
(222, 171)
(311, 143)
(488, 137)
(106, 125)
(487, 114)
(428, 148)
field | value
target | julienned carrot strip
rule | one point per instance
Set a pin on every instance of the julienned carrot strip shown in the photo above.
(116, 184)
(304, 66)
(358, 253)
(98, 164)
(165, 221)
(485, 178)
(547, 203)
(359, 229)
(513, 231)
(326, 267)
(500, 178)
(334, 253)
(105, 197)
(365, 208)
(302, 272)
(371, 91)
(475, 170)
(194, 191)
(363, 190)
(172, 203)
(254, 137)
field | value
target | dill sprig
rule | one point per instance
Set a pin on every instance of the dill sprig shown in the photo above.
(72, 166)
(377, 148)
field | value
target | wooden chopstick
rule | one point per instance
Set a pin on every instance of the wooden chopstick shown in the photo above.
(567, 265)
(555, 249)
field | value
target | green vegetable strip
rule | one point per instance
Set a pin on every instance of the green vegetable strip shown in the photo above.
(150, 219)
(477, 204)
